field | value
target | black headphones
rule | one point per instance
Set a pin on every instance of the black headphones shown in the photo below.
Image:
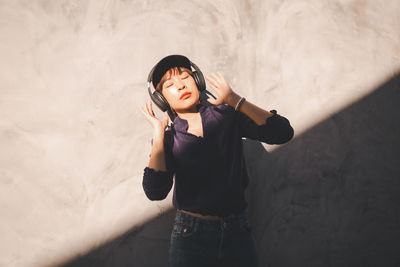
(162, 103)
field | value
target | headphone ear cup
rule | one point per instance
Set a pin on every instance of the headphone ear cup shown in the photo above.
(199, 79)
(160, 101)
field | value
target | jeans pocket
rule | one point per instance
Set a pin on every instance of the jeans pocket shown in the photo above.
(182, 230)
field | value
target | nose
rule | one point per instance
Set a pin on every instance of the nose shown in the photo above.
(181, 85)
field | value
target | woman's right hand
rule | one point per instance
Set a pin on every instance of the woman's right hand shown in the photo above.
(158, 125)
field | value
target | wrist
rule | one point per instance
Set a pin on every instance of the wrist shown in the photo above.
(158, 135)
(233, 99)
(239, 103)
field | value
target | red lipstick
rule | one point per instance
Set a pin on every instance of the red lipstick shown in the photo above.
(184, 95)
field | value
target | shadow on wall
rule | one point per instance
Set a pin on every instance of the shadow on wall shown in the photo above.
(330, 197)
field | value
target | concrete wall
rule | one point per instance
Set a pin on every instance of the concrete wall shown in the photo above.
(74, 143)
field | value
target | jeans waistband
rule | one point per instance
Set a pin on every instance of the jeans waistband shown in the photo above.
(191, 219)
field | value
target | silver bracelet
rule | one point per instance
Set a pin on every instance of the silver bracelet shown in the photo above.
(239, 103)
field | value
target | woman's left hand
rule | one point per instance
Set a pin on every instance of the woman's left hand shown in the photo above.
(224, 92)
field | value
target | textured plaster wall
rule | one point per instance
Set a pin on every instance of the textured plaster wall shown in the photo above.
(74, 143)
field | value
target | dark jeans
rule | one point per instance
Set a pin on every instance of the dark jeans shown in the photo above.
(203, 242)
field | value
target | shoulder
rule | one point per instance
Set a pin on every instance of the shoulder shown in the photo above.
(224, 108)
(224, 111)
(221, 113)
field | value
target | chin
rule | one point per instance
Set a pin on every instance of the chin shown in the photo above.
(188, 104)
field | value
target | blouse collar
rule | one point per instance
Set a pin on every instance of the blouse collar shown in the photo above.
(182, 124)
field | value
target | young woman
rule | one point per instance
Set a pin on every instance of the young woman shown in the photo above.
(203, 151)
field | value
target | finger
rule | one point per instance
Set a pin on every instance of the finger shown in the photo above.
(212, 101)
(221, 77)
(212, 85)
(212, 81)
(209, 79)
(215, 90)
(148, 109)
(144, 111)
(147, 117)
(215, 77)
(151, 108)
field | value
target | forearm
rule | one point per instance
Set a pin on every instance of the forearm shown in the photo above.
(257, 114)
(157, 157)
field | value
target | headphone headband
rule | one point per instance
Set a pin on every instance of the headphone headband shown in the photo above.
(197, 70)
(159, 99)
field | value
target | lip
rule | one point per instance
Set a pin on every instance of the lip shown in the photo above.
(183, 96)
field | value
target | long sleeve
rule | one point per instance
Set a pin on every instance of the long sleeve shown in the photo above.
(275, 130)
(157, 184)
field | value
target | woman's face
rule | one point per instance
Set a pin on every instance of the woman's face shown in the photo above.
(180, 90)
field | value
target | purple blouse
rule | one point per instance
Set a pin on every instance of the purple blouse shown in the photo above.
(210, 171)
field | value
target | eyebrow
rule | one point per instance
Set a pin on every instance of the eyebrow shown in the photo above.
(169, 78)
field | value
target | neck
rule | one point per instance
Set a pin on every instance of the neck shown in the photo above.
(188, 114)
